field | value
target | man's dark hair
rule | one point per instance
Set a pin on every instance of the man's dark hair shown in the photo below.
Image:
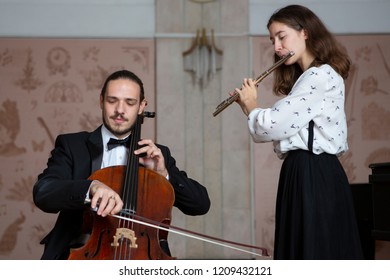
(124, 74)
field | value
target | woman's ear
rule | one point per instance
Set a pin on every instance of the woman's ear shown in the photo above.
(305, 35)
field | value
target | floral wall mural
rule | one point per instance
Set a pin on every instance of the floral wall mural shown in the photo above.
(48, 87)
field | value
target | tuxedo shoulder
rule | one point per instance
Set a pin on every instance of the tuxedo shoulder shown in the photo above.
(72, 135)
(80, 134)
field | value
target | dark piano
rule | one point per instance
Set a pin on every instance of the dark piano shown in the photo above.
(372, 206)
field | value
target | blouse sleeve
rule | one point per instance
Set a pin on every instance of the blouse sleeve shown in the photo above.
(290, 114)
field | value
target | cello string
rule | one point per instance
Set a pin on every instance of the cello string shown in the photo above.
(130, 186)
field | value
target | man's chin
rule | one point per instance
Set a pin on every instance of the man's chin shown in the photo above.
(119, 132)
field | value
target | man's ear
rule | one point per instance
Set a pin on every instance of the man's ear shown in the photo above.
(142, 106)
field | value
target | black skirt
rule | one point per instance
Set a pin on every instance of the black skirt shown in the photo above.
(315, 217)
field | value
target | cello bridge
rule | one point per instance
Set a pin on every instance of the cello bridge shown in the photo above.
(122, 233)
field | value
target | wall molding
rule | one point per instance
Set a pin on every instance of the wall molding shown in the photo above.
(77, 18)
(136, 18)
(341, 17)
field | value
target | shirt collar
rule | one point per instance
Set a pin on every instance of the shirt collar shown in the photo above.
(106, 135)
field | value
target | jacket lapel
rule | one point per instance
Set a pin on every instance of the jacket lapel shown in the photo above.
(95, 146)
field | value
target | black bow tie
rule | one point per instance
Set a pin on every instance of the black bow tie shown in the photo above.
(117, 142)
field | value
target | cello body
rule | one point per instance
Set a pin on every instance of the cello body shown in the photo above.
(111, 238)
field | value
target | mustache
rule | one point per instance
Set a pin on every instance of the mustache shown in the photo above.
(118, 116)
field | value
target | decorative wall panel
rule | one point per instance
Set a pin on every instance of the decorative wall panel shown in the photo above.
(48, 87)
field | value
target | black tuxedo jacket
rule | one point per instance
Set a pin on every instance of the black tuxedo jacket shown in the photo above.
(63, 185)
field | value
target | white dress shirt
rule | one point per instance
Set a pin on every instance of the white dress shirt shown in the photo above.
(116, 156)
(317, 95)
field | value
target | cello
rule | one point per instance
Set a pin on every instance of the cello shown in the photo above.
(144, 193)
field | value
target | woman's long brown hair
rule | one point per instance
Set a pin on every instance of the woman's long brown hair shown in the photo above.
(320, 42)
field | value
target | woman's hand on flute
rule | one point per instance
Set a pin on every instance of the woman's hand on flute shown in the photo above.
(248, 96)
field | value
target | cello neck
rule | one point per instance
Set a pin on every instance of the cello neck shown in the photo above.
(130, 184)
